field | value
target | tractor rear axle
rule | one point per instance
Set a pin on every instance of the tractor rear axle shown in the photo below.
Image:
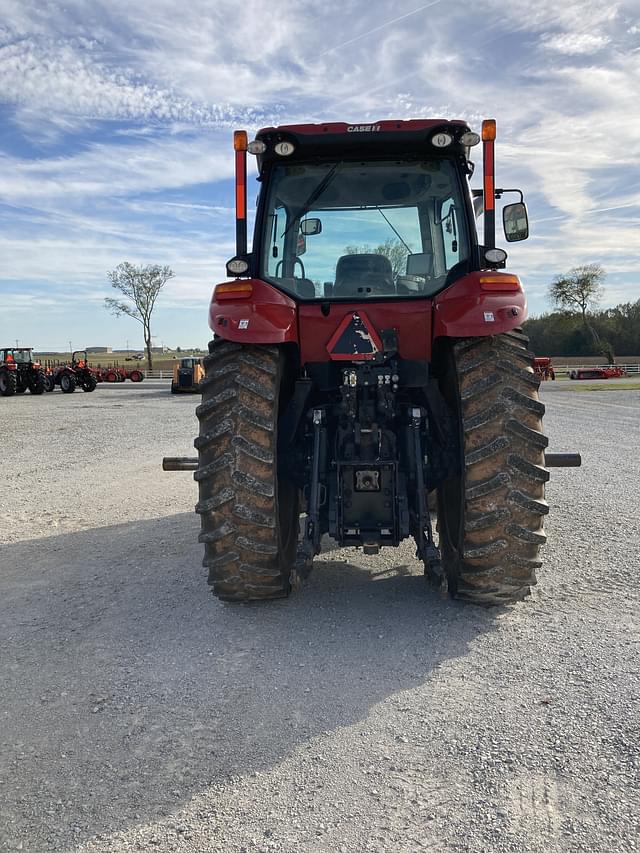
(552, 460)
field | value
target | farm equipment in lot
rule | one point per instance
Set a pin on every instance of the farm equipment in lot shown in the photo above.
(18, 372)
(118, 374)
(610, 372)
(543, 369)
(346, 385)
(188, 373)
(75, 374)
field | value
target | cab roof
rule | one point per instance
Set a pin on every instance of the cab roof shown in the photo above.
(377, 139)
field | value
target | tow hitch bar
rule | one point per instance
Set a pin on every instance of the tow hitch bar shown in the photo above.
(551, 460)
(562, 460)
(179, 463)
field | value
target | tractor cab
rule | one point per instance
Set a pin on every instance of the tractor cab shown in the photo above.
(371, 212)
(17, 355)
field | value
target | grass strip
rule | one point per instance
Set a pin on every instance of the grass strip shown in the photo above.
(603, 386)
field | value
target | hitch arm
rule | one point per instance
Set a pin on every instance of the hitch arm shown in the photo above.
(562, 460)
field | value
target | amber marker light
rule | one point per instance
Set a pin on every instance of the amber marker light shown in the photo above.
(489, 130)
(234, 290)
(240, 140)
(500, 282)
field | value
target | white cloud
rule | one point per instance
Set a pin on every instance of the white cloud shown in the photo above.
(575, 44)
(164, 89)
(110, 170)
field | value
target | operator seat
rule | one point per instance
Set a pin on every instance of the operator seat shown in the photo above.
(361, 275)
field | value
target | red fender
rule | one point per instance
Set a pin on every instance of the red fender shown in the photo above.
(480, 304)
(258, 315)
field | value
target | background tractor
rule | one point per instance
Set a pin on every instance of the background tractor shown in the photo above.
(543, 368)
(18, 372)
(367, 356)
(77, 374)
(188, 373)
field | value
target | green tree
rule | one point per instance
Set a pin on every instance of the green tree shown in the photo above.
(563, 333)
(140, 286)
(581, 289)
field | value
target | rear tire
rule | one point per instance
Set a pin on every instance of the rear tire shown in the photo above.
(67, 383)
(249, 517)
(8, 383)
(37, 382)
(490, 516)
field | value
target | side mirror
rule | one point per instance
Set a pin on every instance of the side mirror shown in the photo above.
(309, 227)
(515, 222)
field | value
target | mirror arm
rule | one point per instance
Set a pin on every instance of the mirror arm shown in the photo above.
(500, 192)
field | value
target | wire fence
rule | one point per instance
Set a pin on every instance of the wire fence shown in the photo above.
(560, 370)
(566, 369)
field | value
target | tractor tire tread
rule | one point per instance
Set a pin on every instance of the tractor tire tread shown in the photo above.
(504, 474)
(236, 474)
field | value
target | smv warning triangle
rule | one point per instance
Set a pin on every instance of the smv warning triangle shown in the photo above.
(355, 339)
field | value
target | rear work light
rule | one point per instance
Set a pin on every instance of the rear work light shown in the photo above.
(469, 139)
(500, 282)
(284, 149)
(234, 290)
(441, 140)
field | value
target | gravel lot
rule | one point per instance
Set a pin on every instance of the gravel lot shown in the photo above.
(363, 714)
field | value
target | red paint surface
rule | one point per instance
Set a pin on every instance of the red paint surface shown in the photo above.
(489, 179)
(241, 184)
(459, 310)
(270, 313)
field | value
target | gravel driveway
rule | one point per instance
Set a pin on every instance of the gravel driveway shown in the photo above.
(363, 714)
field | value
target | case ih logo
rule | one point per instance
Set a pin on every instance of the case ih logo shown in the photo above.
(363, 128)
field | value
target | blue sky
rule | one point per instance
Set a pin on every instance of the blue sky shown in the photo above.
(116, 121)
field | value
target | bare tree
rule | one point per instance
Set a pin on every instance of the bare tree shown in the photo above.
(581, 288)
(392, 249)
(141, 287)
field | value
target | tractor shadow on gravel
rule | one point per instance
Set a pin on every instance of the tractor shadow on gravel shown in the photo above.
(128, 689)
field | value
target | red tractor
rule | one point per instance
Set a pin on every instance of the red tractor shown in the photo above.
(76, 374)
(543, 368)
(18, 372)
(367, 356)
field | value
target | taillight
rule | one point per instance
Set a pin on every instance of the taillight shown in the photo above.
(233, 290)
